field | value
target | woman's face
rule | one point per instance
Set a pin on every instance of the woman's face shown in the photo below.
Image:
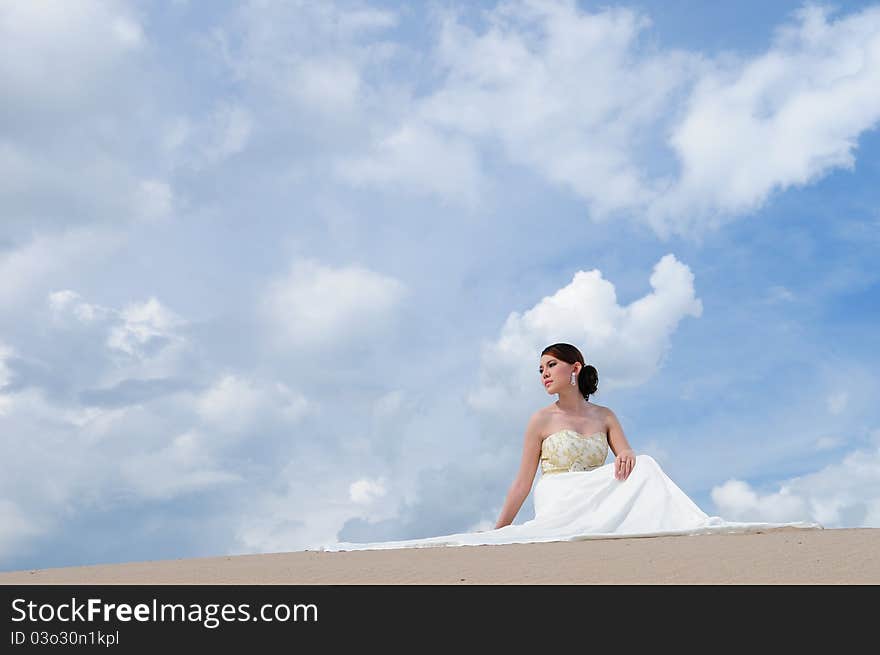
(554, 373)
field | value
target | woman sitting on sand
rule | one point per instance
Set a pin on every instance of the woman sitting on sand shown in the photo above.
(579, 496)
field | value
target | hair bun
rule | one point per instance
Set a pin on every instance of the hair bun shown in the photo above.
(588, 380)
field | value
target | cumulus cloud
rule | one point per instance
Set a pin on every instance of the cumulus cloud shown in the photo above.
(422, 159)
(141, 441)
(186, 464)
(143, 328)
(29, 267)
(783, 118)
(736, 499)
(69, 46)
(300, 511)
(843, 494)
(682, 141)
(73, 75)
(365, 490)
(627, 344)
(582, 98)
(315, 304)
(234, 403)
(679, 140)
(66, 303)
(218, 423)
(309, 57)
(139, 349)
(443, 503)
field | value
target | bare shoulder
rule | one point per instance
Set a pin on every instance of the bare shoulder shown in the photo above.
(601, 410)
(538, 421)
(546, 415)
(544, 412)
(606, 413)
(541, 415)
(609, 416)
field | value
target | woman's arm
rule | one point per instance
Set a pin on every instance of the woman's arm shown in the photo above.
(521, 486)
(625, 458)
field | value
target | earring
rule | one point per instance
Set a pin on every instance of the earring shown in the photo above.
(573, 379)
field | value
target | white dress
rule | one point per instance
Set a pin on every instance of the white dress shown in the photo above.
(578, 497)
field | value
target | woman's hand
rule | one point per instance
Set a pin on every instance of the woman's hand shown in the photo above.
(624, 463)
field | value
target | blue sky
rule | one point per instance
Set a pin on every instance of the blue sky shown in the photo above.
(277, 274)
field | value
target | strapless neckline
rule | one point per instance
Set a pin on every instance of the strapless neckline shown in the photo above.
(575, 432)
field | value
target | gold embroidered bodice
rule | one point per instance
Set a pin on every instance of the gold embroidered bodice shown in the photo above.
(568, 450)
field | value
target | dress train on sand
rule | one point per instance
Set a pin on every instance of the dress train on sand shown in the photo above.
(578, 497)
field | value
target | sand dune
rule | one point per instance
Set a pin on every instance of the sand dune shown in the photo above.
(790, 556)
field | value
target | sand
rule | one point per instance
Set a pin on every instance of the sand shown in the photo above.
(787, 556)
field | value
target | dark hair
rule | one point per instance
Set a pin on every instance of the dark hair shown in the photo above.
(588, 378)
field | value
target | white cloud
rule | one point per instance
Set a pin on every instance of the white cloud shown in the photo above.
(57, 52)
(736, 500)
(626, 344)
(310, 56)
(80, 104)
(95, 424)
(315, 304)
(233, 403)
(365, 490)
(183, 466)
(33, 265)
(143, 339)
(98, 458)
(679, 140)
(61, 183)
(561, 91)
(280, 521)
(783, 118)
(844, 494)
(141, 325)
(66, 302)
(230, 403)
(327, 84)
(420, 158)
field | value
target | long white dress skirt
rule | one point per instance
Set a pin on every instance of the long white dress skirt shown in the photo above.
(575, 505)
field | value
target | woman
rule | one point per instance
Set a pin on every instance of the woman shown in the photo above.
(579, 496)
